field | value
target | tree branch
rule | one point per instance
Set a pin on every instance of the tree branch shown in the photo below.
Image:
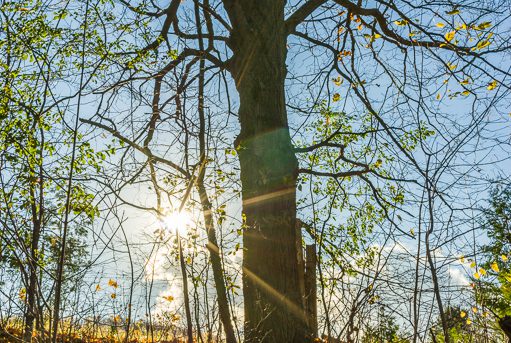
(302, 13)
(145, 150)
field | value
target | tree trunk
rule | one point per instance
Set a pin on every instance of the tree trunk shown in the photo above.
(311, 299)
(31, 291)
(216, 265)
(272, 300)
(505, 325)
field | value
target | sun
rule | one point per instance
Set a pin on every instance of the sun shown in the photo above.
(176, 221)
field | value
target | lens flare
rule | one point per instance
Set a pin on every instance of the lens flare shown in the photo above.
(178, 222)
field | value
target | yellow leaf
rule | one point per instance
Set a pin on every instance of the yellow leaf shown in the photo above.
(483, 26)
(440, 25)
(472, 264)
(449, 36)
(462, 259)
(113, 296)
(376, 36)
(465, 82)
(481, 45)
(401, 22)
(98, 287)
(477, 276)
(491, 86)
(336, 97)
(482, 271)
(503, 258)
(474, 309)
(169, 298)
(465, 93)
(463, 314)
(453, 11)
(451, 66)
(338, 81)
(495, 267)
(469, 321)
(462, 26)
(112, 283)
(438, 97)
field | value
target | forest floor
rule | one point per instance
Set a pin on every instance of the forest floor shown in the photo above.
(15, 334)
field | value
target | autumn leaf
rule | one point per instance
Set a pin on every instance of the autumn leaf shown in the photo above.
(169, 298)
(440, 25)
(112, 283)
(98, 287)
(449, 36)
(483, 26)
(336, 97)
(477, 276)
(503, 258)
(113, 296)
(454, 11)
(469, 321)
(338, 81)
(463, 314)
(481, 45)
(401, 22)
(495, 267)
(482, 271)
(462, 26)
(491, 86)
(451, 66)
(474, 309)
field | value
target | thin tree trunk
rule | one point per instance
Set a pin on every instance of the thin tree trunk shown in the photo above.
(216, 265)
(434, 277)
(311, 288)
(31, 291)
(212, 245)
(273, 304)
(37, 207)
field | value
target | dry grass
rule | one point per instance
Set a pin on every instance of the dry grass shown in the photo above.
(14, 334)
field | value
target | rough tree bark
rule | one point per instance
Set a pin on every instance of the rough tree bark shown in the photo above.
(505, 325)
(273, 303)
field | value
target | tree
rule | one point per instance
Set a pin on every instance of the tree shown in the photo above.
(252, 46)
(385, 331)
(34, 159)
(495, 293)
(372, 104)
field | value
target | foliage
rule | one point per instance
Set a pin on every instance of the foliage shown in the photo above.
(494, 290)
(385, 331)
